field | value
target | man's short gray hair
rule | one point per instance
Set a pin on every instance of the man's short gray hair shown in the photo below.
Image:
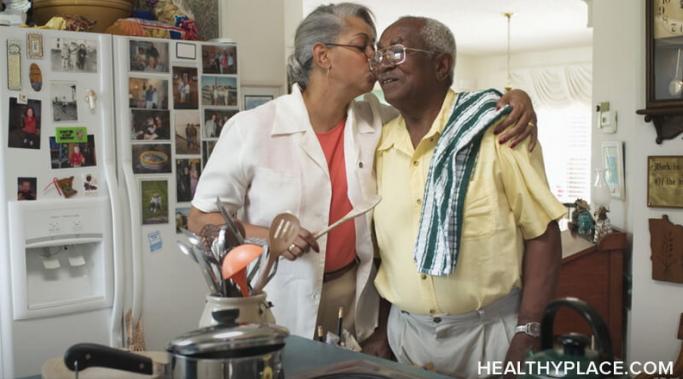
(324, 24)
(437, 37)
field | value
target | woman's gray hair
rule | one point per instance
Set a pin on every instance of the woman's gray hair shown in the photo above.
(437, 37)
(324, 24)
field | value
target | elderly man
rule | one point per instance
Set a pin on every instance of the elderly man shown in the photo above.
(466, 229)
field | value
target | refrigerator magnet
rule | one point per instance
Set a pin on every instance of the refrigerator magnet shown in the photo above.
(155, 241)
(35, 76)
(34, 45)
(71, 134)
(64, 186)
(186, 51)
(24, 124)
(14, 65)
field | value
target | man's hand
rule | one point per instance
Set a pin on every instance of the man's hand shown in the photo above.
(303, 244)
(522, 119)
(378, 345)
(519, 349)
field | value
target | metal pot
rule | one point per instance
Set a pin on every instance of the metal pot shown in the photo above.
(225, 351)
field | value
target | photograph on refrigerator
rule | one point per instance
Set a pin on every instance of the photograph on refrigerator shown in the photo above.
(181, 215)
(152, 159)
(214, 120)
(219, 90)
(187, 173)
(74, 55)
(90, 183)
(26, 188)
(187, 132)
(185, 88)
(72, 155)
(219, 59)
(154, 194)
(253, 101)
(64, 104)
(24, 124)
(148, 93)
(150, 124)
(207, 149)
(148, 56)
(35, 76)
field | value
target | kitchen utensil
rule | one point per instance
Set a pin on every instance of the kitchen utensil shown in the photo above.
(236, 262)
(358, 210)
(187, 250)
(573, 344)
(234, 229)
(226, 350)
(283, 232)
(211, 277)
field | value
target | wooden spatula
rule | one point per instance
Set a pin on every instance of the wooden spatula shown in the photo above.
(358, 210)
(283, 232)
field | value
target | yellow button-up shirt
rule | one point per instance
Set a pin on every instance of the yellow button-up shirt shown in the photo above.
(507, 201)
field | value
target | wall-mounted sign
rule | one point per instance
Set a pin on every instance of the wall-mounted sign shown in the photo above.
(665, 181)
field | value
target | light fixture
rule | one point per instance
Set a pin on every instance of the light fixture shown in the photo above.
(508, 81)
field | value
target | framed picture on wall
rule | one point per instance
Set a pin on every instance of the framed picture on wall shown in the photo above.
(253, 96)
(613, 162)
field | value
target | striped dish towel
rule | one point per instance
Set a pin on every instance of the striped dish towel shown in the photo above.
(437, 246)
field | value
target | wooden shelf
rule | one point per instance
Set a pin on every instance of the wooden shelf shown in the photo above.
(668, 122)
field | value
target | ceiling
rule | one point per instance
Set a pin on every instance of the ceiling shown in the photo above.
(480, 27)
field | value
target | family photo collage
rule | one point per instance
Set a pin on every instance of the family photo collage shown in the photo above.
(52, 108)
(177, 112)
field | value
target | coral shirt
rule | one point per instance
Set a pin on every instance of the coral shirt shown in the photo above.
(341, 241)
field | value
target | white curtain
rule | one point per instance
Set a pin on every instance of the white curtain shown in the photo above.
(562, 100)
(556, 85)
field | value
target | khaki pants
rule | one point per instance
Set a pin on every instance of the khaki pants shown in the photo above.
(454, 344)
(336, 293)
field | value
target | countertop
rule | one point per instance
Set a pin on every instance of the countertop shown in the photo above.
(303, 355)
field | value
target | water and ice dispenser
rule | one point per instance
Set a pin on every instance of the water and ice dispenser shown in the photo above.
(61, 256)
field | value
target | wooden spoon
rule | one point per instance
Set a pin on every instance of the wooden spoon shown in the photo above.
(358, 210)
(283, 232)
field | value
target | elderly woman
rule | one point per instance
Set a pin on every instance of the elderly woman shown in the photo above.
(311, 153)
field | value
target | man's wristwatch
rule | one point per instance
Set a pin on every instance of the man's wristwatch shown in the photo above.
(532, 329)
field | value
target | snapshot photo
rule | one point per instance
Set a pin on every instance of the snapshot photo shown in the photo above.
(207, 149)
(150, 125)
(214, 120)
(219, 59)
(24, 124)
(152, 159)
(148, 56)
(187, 132)
(72, 155)
(187, 172)
(26, 188)
(90, 183)
(185, 88)
(74, 55)
(253, 101)
(64, 103)
(219, 90)
(154, 203)
(181, 215)
(148, 93)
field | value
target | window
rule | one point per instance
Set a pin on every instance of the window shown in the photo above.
(565, 135)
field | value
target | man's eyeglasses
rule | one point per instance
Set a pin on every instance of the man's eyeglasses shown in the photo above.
(393, 55)
(368, 49)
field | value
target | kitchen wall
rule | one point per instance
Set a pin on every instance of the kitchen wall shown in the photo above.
(258, 27)
(619, 77)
